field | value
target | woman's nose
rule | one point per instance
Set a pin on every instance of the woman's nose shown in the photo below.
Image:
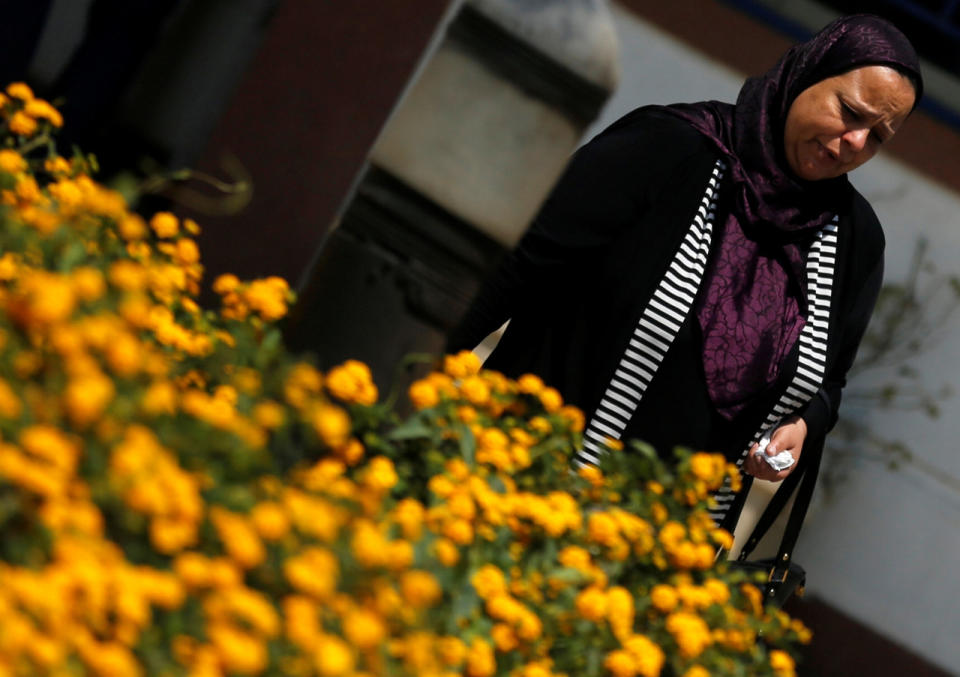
(856, 139)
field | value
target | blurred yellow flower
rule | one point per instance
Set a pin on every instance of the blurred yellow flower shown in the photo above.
(165, 224)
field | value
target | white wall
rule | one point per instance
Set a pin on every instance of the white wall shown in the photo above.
(884, 549)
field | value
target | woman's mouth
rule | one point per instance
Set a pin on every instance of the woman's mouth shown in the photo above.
(825, 154)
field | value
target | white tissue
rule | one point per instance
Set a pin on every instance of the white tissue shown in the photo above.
(779, 462)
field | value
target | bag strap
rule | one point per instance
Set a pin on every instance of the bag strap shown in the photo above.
(806, 476)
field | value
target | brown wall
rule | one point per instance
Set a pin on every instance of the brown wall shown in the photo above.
(309, 107)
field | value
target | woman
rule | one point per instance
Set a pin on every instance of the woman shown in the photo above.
(703, 273)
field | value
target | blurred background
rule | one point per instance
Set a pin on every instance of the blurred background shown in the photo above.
(276, 104)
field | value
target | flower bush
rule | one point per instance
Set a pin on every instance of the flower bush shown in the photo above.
(181, 496)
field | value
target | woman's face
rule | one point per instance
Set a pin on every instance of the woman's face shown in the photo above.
(837, 124)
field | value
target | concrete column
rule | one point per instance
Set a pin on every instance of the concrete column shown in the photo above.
(462, 165)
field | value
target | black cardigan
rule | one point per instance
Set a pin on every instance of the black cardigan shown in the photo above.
(576, 284)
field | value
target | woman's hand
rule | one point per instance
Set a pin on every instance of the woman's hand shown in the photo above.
(790, 437)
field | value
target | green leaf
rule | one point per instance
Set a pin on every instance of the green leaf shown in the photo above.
(468, 443)
(412, 429)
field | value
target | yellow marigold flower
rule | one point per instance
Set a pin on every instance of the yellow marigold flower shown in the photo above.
(333, 657)
(132, 227)
(664, 598)
(314, 571)
(187, 251)
(647, 655)
(10, 406)
(475, 390)
(68, 195)
(551, 399)
(57, 165)
(420, 589)
(452, 650)
(380, 474)
(20, 90)
(369, 545)
(463, 364)
(193, 569)
(718, 590)
(224, 573)
(224, 284)
(352, 382)
(125, 354)
(447, 552)
(240, 652)
(364, 629)
(127, 275)
(782, 663)
(602, 528)
(489, 581)
(27, 191)
(238, 537)
(520, 456)
(88, 283)
(191, 227)
(270, 520)
(461, 505)
(22, 124)
(423, 394)
(480, 659)
(43, 298)
(268, 297)
(708, 467)
(459, 531)
(458, 469)
(11, 161)
(466, 414)
(160, 398)
(9, 264)
(592, 474)
(531, 384)
(332, 425)
(697, 671)
(540, 425)
(591, 604)
(86, 398)
(754, 598)
(409, 514)
(42, 110)
(620, 611)
(620, 663)
(399, 555)
(51, 445)
(722, 537)
(529, 626)
(804, 635)
(108, 658)
(171, 535)
(165, 224)
(690, 632)
(269, 414)
(539, 669)
(491, 439)
(735, 477)
(575, 557)
(504, 638)
(352, 452)
(300, 620)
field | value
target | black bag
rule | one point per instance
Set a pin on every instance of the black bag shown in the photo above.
(784, 577)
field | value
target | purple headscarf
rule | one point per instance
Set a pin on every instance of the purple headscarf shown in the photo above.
(750, 308)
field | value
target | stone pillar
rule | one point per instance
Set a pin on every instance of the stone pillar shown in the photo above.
(460, 168)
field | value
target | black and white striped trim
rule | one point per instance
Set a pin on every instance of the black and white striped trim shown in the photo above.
(821, 264)
(656, 330)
